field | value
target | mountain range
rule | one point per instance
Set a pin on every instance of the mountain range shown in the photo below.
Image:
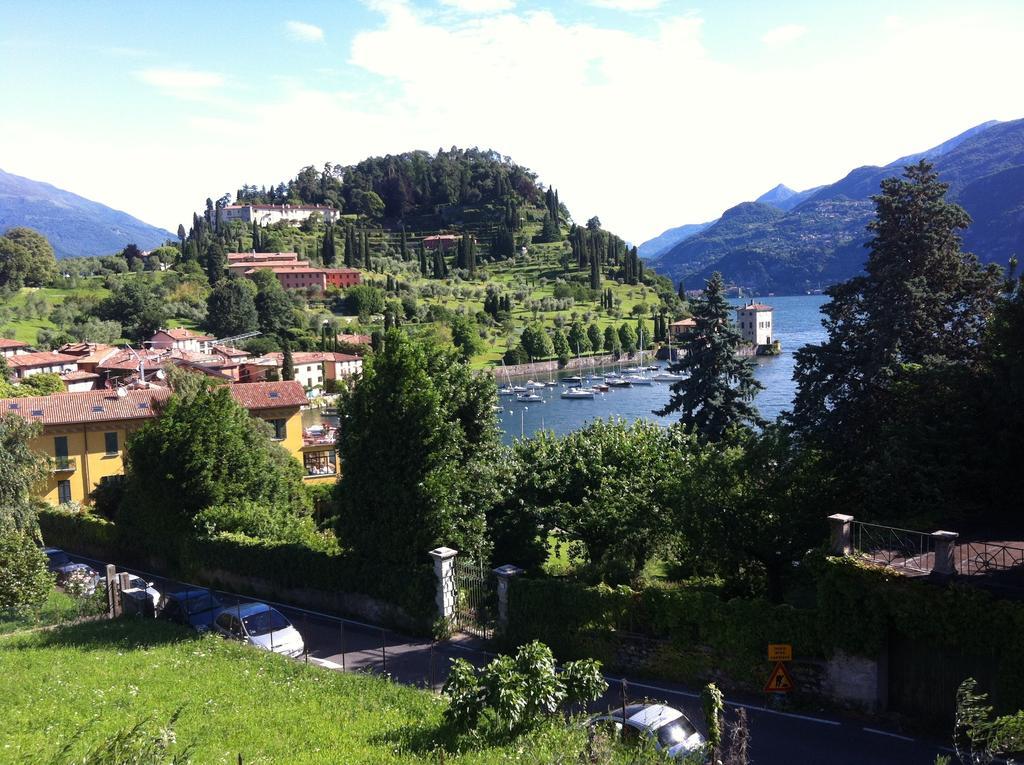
(791, 242)
(73, 224)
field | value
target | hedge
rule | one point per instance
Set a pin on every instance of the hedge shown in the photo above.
(691, 634)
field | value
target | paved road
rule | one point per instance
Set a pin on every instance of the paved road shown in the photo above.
(777, 737)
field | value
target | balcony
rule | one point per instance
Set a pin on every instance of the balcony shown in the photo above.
(319, 436)
(63, 464)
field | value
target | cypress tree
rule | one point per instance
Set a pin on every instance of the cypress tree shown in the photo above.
(327, 251)
(404, 246)
(718, 387)
(595, 273)
(287, 365)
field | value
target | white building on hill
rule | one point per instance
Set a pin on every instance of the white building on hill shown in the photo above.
(755, 323)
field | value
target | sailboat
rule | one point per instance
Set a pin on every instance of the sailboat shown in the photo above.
(579, 391)
(667, 376)
(506, 389)
(637, 376)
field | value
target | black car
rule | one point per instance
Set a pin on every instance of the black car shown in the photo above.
(192, 608)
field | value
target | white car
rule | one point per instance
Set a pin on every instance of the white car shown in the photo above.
(260, 625)
(668, 728)
(138, 583)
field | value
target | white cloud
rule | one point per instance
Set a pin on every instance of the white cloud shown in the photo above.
(182, 83)
(303, 32)
(628, 5)
(480, 6)
(645, 129)
(783, 35)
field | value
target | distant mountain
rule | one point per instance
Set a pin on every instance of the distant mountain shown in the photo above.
(666, 240)
(74, 225)
(778, 245)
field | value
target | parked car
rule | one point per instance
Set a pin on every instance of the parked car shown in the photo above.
(668, 728)
(138, 583)
(71, 574)
(260, 625)
(192, 608)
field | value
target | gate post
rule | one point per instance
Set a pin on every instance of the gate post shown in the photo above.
(444, 570)
(945, 544)
(841, 534)
(504, 576)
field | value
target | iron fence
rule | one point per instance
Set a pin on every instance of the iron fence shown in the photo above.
(891, 546)
(474, 592)
(980, 558)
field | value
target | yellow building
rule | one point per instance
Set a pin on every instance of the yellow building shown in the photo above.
(84, 433)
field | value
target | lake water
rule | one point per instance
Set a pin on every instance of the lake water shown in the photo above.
(796, 319)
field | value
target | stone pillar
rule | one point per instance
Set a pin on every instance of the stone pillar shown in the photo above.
(444, 570)
(504, 576)
(113, 593)
(945, 545)
(841, 533)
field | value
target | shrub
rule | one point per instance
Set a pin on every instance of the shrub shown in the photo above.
(25, 581)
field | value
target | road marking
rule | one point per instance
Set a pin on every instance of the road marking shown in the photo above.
(887, 733)
(327, 663)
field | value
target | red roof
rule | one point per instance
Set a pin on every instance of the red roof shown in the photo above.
(257, 256)
(40, 359)
(684, 323)
(354, 339)
(106, 405)
(269, 395)
(79, 374)
(755, 307)
(5, 343)
(233, 353)
(181, 333)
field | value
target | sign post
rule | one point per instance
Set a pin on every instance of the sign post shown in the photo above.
(779, 681)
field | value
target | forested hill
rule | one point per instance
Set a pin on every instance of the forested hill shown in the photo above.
(416, 189)
(820, 240)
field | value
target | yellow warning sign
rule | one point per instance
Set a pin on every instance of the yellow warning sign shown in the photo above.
(780, 652)
(779, 681)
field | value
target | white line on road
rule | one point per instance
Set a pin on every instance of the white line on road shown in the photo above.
(887, 733)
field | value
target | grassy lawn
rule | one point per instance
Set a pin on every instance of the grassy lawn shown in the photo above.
(57, 609)
(102, 677)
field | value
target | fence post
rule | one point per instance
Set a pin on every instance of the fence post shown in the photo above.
(504, 576)
(444, 570)
(945, 546)
(113, 594)
(841, 533)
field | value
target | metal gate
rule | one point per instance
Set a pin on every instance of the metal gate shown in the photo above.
(476, 598)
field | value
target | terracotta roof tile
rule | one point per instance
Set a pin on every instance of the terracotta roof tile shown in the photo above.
(40, 359)
(6, 343)
(269, 395)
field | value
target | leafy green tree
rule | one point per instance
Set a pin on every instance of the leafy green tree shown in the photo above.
(560, 345)
(602, 485)
(465, 336)
(595, 338)
(216, 262)
(627, 337)
(274, 310)
(578, 340)
(204, 450)
(136, 306)
(435, 488)
(364, 300)
(26, 258)
(25, 580)
(536, 341)
(716, 392)
(20, 469)
(231, 309)
(611, 340)
(43, 384)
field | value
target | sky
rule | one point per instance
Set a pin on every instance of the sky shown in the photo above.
(647, 113)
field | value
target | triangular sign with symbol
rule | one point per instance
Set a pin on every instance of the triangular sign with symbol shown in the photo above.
(779, 681)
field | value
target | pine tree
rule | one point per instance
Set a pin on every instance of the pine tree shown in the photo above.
(718, 387)
(327, 251)
(287, 365)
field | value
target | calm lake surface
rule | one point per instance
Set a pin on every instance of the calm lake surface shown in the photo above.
(797, 321)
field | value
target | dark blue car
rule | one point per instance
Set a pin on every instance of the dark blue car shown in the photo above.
(191, 608)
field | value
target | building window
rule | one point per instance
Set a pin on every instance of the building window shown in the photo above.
(319, 463)
(110, 443)
(63, 491)
(60, 446)
(280, 429)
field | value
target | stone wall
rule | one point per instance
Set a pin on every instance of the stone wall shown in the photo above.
(544, 367)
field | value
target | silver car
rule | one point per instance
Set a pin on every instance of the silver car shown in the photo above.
(668, 729)
(260, 625)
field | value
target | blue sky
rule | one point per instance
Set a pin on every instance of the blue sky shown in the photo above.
(649, 114)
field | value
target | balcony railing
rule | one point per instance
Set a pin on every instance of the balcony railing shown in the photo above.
(63, 464)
